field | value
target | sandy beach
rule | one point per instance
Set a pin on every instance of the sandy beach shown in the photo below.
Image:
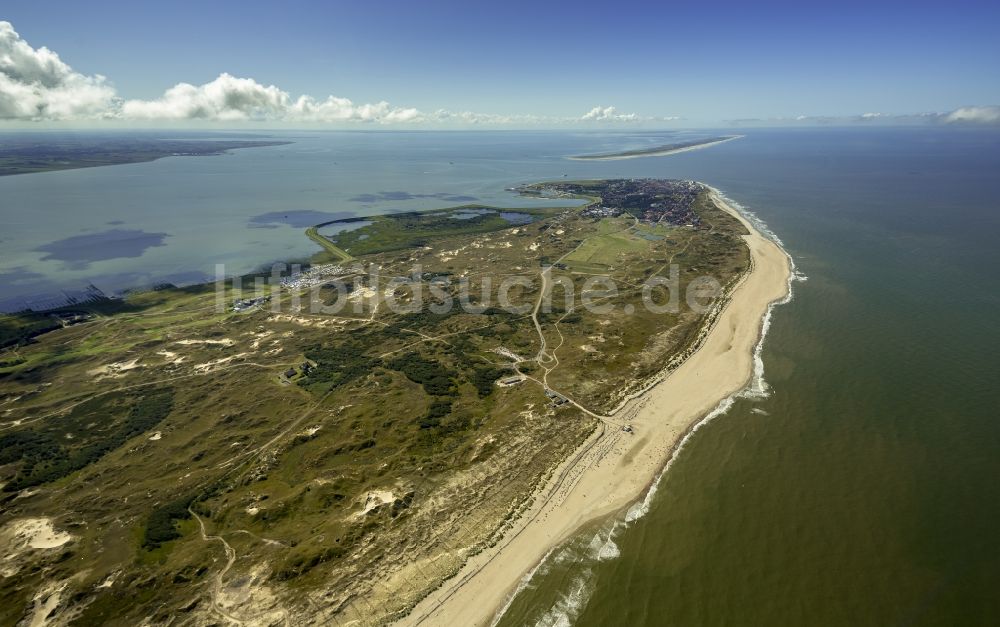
(653, 153)
(615, 469)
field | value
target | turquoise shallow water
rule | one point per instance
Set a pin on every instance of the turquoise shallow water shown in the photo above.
(862, 491)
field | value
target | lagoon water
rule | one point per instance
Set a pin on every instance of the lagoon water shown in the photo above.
(863, 490)
(176, 218)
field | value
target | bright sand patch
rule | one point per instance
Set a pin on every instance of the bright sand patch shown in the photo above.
(170, 357)
(376, 498)
(36, 533)
(612, 478)
(225, 342)
(115, 369)
(222, 361)
(19, 536)
(45, 602)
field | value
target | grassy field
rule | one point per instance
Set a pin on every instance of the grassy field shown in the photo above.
(609, 249)
(401, 231)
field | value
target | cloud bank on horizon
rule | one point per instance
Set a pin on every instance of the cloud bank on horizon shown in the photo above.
(976, 115)
(606, 114)
(37, 85)
(970, 115)
(228, 98)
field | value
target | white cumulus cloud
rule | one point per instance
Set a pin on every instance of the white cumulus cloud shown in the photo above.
(35, 84)
(228, 98)
(225, 98)
(335, 109)
(608, 114)
(974, 115)
(471, 117)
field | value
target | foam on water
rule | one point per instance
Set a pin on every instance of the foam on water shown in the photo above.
(568, 607)
(541, 569)
(599, 548)
(602, 545)
(758, 387)
(641, 508)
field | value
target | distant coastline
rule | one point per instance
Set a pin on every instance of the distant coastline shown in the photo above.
(28, 156)
(657, 151)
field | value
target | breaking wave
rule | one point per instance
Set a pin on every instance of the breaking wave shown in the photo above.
(758, 387)
(568, 607)
(599, 548)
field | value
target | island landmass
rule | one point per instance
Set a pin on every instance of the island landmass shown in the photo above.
(163, 456)
(31, 153)
(657, 151)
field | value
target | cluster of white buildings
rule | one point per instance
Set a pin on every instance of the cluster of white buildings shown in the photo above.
(250, 303)
(313, 276)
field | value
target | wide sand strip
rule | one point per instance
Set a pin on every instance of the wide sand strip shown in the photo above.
(653, 153)
(615, 469)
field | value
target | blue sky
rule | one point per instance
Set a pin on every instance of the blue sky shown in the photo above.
(703, 62)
